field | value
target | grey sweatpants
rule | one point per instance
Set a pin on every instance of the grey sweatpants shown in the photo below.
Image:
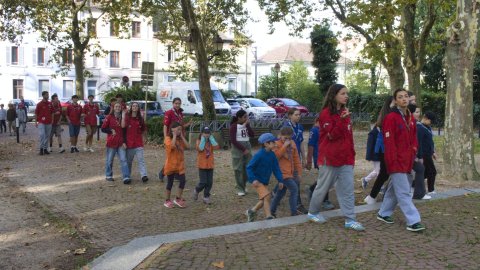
(327, 177)
(398, 193)
(44, 134)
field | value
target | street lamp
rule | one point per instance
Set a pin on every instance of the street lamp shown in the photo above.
(277, 70)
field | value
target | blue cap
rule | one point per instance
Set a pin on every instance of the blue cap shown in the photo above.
(267, 137)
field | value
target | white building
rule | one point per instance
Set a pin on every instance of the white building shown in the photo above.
(24, 68)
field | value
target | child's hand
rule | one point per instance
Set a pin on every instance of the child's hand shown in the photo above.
(255, 183)
(280, 186)
(287, 142)
(345, 113)
(308, 165)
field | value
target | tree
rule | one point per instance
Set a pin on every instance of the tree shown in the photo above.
(267, 86)
(303, 89)
(325, 55)
(200, 22)
(67, 25)
(460, 54)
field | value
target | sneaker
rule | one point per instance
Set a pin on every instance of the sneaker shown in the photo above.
(144, 179)
(206, 200)
(127, 181)
(327, 205)
(72, 150)
(364, 183)
(318, 218)
(179, 202)
(354, 225)
(91, 150)
(41, 152)
(49, 149)
(241, 193)
(161, 176)
(270, 217)
(195, 194)
(110, 179)
(61, 150)
(426, 197)
(386, 219)
(46, 152)
(369, 200)
(302, 210)
(251, 215)
(76, 149)
(168, 204)
(416, 227)
(85, 149)
(431, 193)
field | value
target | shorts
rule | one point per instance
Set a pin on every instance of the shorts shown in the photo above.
(90, 129)
(57, 130)
(73, 130)
(262, 191)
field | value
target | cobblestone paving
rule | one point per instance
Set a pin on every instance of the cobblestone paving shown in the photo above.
(451, 241)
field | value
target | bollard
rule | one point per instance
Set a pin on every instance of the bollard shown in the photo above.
(98, 128)
(17, 127)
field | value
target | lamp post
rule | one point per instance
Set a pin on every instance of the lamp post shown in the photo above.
(277, 70)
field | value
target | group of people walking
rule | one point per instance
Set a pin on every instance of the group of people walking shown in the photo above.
(11, 114)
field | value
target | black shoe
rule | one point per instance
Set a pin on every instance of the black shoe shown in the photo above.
(127, 181)
(144, 179)
(41, 152)
(72, 150)
(302, 210)
(45, 151)
(76, 149)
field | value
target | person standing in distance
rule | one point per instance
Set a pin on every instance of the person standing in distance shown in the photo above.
(43, 121)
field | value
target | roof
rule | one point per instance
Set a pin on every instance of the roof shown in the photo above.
(293, 51)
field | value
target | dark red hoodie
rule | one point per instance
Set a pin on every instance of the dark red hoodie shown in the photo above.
(400, 138)
(336, 140)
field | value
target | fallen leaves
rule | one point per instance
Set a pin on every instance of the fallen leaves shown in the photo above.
(80, 251)
(220, 264)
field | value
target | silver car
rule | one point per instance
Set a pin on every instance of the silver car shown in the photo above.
(31, 105)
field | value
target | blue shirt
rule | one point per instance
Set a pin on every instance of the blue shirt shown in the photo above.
(261, 167)
(313, 141)
(297, 134)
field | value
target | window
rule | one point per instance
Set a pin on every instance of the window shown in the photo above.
(43, 85)
(41, 57)
(114, 29)
(67, 57)
(136, 59)
(17, 88)
(170, 56)
(171, 78)
(67, 88)
(91, 87)
(14, 56)
(232, 84)
(114, 59)
(136, 31)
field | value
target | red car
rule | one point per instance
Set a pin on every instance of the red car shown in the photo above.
(282, 105)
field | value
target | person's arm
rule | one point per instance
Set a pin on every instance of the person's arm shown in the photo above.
(334, 128)
(37, 109)
(251, 168)
(296, 160)
(213, 142)
(420, 140)
(250, 131)
(201, 144)
(280, 151)
(185, 142)
(389, 140)
(106, 126)
(68, 113)
(124, 120)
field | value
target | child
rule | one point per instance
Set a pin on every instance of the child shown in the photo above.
(174, 167)
(135, 127)
(259, 170)
(372, 156)
(312, 156)
(418, 181)
(427, 150)
(336, 158)
(205, 145)
(400, 139)
(240, 134)
(11, 115)
(289, 162)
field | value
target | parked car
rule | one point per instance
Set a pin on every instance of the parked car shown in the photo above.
(153, 108)
(282, 105)
(32, 105)
(234, 106)
(256, 108)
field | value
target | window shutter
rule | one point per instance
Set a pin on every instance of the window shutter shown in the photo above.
(8, 60)
(21, 56)
(34, 56)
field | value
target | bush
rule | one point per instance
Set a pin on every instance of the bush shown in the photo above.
(434, 102)
(129, 93)
(370, 103)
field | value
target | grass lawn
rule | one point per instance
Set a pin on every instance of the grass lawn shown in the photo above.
(438, 140)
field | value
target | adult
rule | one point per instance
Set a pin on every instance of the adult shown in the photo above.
(43, 121)
(74, 113)
(293, 122)
(112, 125)
(90, 112)
(400, 138)
(132, 122)
(56, 125)
(175, 114)
(240, 134)
(3, 119)
(22, 115)
(336, 158)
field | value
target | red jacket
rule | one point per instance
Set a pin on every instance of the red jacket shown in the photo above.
(134, 130)
(91, 111)
(110, 122)
(44, 112)
(336, 140)
(400, 141)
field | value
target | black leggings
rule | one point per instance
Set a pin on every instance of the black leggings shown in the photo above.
(381, 178)
(430, 172)
(179, 177)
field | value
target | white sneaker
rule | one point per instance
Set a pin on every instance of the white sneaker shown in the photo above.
(432, 193)
(91, 150)
(61, 150)
(369, 200)
(426, 197)
(49, 149)
(85, 149)
(241, 193)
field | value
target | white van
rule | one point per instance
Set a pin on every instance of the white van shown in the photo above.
(189, 93)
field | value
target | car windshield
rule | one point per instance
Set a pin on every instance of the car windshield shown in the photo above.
(257, 103)
(151, 106)
(290, 102)
(233, 103)
(216, 95)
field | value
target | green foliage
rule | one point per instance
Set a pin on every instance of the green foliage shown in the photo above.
(301, 88)
(371, 103)
(267, 87)
(325, 55)
(434, 102)
(129, 93)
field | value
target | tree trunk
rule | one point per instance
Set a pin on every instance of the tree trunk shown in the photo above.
(396, 74)
(459, 160)
(202, 60)
(79, 64)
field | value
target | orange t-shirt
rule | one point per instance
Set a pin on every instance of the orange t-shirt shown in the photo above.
(204, 162)
(288, 159)
(175, 162)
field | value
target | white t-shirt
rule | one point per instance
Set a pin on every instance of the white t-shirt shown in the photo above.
(242, 133)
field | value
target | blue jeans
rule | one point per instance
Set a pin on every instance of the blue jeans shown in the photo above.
(131, 153)
(111, 152)
(44, 132)
(291, 185)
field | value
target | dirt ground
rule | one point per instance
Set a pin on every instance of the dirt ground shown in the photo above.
(58, 212)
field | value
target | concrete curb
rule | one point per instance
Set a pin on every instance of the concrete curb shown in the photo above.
(130, 255)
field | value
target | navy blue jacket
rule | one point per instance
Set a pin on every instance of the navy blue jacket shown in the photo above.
(426, 147)
(371, 141)
(262, 165)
